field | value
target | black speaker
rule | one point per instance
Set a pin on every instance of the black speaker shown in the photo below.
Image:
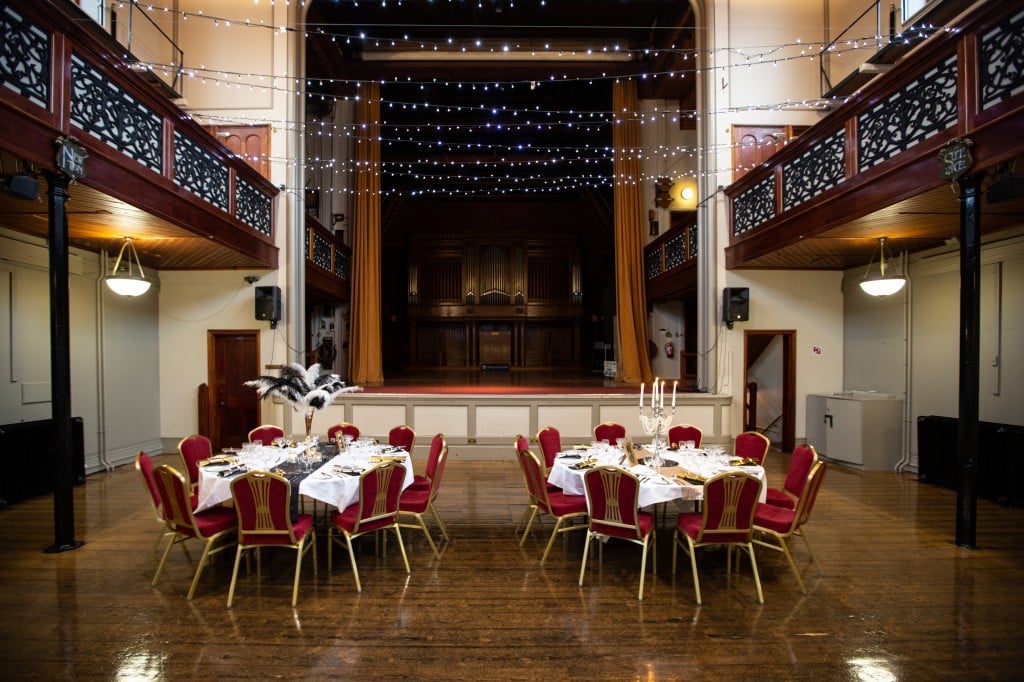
(735, 304)
(268, 304)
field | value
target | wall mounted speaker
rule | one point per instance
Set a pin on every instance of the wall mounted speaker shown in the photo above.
(268, 304)
(735, 305)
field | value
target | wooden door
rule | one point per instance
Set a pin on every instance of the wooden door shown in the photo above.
(251, 143)
(233, 359)
(752, 145)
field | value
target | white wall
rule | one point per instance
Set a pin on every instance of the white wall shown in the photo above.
(115, 387)
(810, 303)
(875, 358)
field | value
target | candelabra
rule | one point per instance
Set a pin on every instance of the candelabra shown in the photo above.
(655, 420)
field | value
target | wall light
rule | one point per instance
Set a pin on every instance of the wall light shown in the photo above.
(125, 282)
(878, 283)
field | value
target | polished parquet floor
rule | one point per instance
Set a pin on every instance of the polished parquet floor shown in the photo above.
(897, 601)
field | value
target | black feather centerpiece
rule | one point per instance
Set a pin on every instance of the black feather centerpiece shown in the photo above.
(305, 389)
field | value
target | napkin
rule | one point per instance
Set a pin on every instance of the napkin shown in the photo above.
(387, 458)
(585, 464)
(219, 459)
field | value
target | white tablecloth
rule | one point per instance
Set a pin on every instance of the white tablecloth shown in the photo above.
(654, 487)
(331, 485)
(327, 483)
(215, 488)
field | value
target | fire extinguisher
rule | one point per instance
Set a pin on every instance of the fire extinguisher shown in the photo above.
(670, 350)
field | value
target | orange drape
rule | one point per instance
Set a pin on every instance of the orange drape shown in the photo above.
(634, 363)
(364, 359)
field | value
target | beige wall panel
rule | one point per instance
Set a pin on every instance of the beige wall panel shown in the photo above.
(451, 420)
(503, 421)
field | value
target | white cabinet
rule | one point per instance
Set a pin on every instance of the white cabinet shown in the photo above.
(858, 428)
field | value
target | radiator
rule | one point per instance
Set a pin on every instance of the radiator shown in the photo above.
(30, 465)
(1000, 457)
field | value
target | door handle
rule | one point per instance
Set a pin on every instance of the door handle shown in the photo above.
(828, 420)
(222, 403)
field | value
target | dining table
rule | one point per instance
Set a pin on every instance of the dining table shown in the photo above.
(681, 475)
(320, 471)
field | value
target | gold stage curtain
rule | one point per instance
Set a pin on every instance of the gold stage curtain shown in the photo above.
(364, 359)
(634, 364)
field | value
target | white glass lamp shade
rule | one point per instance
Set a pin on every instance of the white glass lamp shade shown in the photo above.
(883, 286)
(125, 281)
(128, 285)
(878, 283)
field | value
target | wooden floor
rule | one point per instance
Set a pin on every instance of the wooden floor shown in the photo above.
(897, 601)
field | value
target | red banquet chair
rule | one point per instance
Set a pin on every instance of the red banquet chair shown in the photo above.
(774, 525)
(144, 465)
(262, 501)
(402, 437)
(345, 429)
(266, 433)
(726, 518)
(380, 488)
(801, 461)
(751, 445)
(417, 502)
(613, 494)
(550, 444)
(562, 507)
(680, 433)
(422, 482)
(194, 449)
(213, 526)
(609, 432)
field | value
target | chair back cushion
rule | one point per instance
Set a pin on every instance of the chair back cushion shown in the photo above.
(266, 434)
(613, 494)
(263, 501)
(144, 463)
(435, 477)
(534, 475)
(437, 444)
(550, 444)
(728, 510)
(751, 445)
(380, 488)
(402, 437)
(346, 429)
(609, 431)
(194, 449)
(809, 494)
(680, 433)
(175, 502)
(800, 463)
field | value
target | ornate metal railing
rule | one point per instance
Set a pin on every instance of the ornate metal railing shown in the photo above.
(960, 83)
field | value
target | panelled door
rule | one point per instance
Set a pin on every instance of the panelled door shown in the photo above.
(233, 358)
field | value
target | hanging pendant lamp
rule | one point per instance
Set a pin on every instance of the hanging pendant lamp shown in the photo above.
(879, 283)
(125, 281)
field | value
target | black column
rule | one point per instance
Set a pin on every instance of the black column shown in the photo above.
(970, 324)
(60, 367)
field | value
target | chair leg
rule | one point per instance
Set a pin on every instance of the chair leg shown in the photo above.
(401, 546)
(422, 525)
(810, 550)
(522, 519)
(163, 559)
(693, 565)
(753, 565)
(199, 569)
(234, 575)
(643, 569)
(440, 523)
(586, 549)
(551, 541)
(352, 559)
(528, 525)
(792, 564)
